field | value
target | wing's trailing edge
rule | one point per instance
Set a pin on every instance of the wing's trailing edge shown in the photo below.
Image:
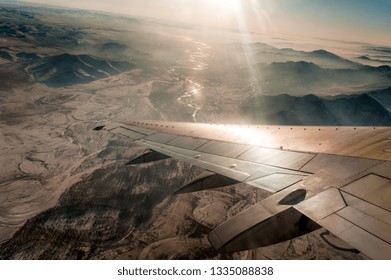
(335, 177)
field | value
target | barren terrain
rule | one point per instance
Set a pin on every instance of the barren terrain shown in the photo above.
(65, 191)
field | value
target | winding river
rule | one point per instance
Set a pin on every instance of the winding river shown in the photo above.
(190, 88)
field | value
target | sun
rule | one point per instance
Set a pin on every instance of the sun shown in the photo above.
(232, 5)
(224, 12)
(227, 6)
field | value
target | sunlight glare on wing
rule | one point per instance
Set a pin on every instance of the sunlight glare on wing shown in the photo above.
(250, 135)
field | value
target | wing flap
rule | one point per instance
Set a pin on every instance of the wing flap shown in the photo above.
(367, 223)
(361, 239)
(322, 205)
(368, 208)
(356, 212)
(372, 188)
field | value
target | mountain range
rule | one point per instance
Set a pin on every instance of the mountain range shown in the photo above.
(367, 109)
(264, 53)
(301, 78)
(55, 55)
(276, 71)
(66, 69)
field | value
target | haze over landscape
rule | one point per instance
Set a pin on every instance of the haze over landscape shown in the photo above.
(68, 66)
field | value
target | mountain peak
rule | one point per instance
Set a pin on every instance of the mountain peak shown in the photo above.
(69, 69)
(259, 45)
(296, 65)
(324, 53)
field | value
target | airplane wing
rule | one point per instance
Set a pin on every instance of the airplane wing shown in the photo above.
(338, 178)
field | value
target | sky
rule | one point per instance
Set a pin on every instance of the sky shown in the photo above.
(353, 20)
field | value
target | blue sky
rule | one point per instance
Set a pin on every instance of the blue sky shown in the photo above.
(355, 20)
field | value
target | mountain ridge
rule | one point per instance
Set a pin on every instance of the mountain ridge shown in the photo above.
(367, 109)
(265, 53)
(68, 69)
(302, 77)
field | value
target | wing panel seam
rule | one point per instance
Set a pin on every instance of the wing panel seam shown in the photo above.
(336, 213)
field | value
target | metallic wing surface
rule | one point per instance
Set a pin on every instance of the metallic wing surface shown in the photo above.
(338, 178)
